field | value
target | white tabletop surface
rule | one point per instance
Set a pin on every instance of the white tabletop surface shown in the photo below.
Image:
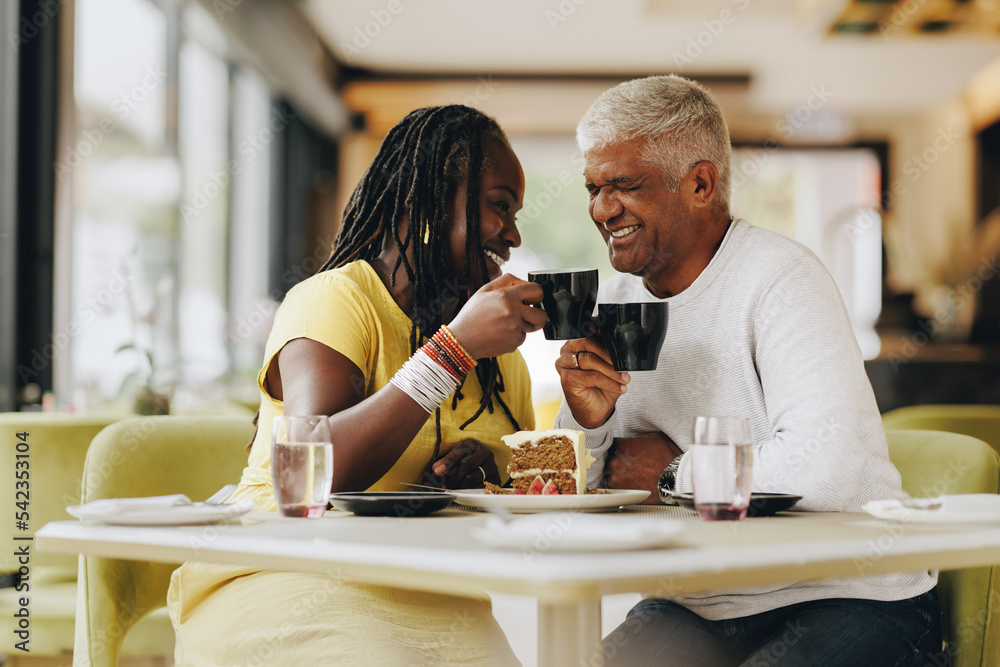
(438, 553)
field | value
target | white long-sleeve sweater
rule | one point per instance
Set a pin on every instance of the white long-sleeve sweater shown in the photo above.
(763, 333)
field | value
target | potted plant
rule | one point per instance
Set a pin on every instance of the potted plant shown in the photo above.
(149, 399)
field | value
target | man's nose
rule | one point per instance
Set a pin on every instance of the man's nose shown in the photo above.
(605, 207)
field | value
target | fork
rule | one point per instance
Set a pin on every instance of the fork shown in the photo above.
(500, 512)
(918, 503)
(426, 487)
(221, 496)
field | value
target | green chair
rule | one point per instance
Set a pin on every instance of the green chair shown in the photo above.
(933, 463)
(146, 456)
(979, 421)
(55, 445)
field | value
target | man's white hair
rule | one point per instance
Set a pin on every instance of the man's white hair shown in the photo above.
(680, 119)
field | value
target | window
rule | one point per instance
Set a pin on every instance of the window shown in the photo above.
(170, 217)
(827, 200)
(126, 183)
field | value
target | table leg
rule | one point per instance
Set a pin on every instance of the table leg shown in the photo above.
(570, 634)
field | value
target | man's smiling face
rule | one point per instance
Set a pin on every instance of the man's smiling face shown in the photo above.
(647, 227)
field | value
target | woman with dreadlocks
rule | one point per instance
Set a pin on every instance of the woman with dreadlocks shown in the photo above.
(407, 338)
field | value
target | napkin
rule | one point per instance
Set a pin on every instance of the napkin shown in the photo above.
(894, 505)
(119, 505)
(972, 502)
(961, 507)
(577, 531)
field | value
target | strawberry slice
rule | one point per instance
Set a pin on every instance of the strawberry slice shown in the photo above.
(536, 486)
(550, 489)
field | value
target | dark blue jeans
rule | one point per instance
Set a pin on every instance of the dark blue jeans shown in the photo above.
(820, 633)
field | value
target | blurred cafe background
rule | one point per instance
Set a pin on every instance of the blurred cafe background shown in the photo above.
(170, 168)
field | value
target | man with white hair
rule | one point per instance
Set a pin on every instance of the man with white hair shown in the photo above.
(757, 329)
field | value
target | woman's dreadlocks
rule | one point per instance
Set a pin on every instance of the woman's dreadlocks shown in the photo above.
(414, 173)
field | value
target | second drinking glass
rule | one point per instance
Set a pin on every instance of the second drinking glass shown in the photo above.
(721, 467)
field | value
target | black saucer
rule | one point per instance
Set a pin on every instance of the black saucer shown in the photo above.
(761, 504)
(394, 503)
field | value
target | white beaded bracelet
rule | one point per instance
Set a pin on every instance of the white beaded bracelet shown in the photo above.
(425, 381)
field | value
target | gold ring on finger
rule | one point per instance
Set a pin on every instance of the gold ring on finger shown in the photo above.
(576, 361)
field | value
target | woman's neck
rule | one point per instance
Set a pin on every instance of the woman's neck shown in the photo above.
(402, 291)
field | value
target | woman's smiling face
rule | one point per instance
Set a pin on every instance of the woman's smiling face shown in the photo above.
(501, 195)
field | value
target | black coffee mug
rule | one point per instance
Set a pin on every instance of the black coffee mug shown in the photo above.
(569, 297)
(633, 333)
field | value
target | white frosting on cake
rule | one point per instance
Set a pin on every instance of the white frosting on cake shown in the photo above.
(577, 438)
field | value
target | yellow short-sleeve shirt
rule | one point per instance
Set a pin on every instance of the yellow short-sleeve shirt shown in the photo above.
(349, 310)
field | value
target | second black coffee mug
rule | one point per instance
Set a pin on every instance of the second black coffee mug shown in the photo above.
(569, 297)
(633, 333)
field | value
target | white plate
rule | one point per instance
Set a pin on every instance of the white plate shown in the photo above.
(971, 508)
(572, 531)
(554, 503)
(182, 515)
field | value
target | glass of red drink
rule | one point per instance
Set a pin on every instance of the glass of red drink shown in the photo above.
(721, 467)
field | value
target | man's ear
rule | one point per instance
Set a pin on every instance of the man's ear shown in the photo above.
(700, 184)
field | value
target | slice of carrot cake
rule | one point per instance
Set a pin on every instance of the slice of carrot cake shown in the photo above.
(556, 455)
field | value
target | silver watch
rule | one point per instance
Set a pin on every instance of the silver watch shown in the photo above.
(668, 480)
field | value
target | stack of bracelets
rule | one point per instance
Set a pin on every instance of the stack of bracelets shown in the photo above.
(434, 371)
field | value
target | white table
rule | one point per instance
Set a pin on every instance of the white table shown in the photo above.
(438, 554)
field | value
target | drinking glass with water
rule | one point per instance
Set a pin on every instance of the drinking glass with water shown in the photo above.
(721, 467)
(301, 465)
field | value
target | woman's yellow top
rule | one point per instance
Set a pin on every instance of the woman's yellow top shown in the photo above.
(234, 615)
(349, 310)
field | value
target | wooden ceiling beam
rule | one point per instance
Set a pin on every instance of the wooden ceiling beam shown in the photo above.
(522, 105)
